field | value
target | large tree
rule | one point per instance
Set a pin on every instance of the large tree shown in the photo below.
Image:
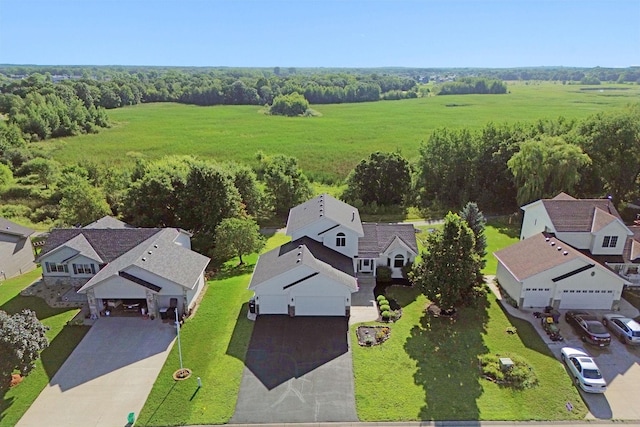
(286, 185)
(449, 267)
(612, 141)
(546, 166)
(81, 202)
(237, 237)
(476, 222)
(22, 338)
(383, 178)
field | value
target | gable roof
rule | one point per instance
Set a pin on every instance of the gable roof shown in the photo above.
(536, 254)
(10, 227)
(570, 215)
(324, 206)
(108, 222)
(107, 244)
(307, 252)
(159, 255)
(378, 237)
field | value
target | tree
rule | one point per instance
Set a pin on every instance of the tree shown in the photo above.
(292, 104)
(612, 141)
(6, 177)
(286, 185)
(546, 166)
(383, 178)
(81, 203)
(22, 338)
(246, 183)
(476, 222)
(237, 237)
(449, 267)
(46, 170)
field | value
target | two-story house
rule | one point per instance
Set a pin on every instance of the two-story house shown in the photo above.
(16, 252)
(316, 273)
(569, 255)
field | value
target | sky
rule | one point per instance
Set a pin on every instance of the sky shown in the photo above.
(322, 33)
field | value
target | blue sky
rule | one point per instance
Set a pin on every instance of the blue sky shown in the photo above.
(327, 33)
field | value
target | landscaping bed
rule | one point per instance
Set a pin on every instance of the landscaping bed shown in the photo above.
(372, 335)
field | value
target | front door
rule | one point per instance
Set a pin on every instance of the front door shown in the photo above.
(366, 265)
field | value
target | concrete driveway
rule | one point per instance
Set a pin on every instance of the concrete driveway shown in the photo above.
(297, 370)
(108, 375)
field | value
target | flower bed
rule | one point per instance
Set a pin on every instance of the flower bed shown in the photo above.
(372, 335)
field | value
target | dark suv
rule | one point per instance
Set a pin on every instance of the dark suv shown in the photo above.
(588, 327)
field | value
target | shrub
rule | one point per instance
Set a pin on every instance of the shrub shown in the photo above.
(381, 335)
(293, 104)
(519, 376)
(384, 307)
(386, 315)
(383, 274)
(381, 297)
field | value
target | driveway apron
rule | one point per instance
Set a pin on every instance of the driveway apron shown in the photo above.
(297, 370)
(108, 375)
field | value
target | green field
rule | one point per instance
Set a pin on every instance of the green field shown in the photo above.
(329, 146)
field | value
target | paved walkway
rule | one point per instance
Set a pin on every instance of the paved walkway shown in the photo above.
(108, 375)
(363, 302)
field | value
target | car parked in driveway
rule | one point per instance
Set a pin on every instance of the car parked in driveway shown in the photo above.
(583, 369)
(589, 328)
(627, 329)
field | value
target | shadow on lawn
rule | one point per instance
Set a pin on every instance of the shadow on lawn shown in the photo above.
(508, 225)
(37, 304)
(527, 333)
(239, 342)
(228, 271)
(447, 353)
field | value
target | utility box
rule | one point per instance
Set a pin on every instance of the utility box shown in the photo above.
(506, 363)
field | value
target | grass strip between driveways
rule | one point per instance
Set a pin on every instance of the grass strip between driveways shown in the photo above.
(214, 344)
(63, 340)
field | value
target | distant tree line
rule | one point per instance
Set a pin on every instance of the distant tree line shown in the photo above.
(468, 85)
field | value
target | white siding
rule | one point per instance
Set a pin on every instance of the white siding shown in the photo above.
(57, 257)
(579, 240)
(183, 239)
(117, 287)
(328, 238)
(536, 220)
(192, 294)
(509, 283)
(16, 256)
(168, 287)
(613, 229)
(82, 260)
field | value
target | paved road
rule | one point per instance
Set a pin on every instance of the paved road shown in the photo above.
(108, 375)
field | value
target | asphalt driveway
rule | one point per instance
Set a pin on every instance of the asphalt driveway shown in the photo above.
(297, 370)
(108, 375)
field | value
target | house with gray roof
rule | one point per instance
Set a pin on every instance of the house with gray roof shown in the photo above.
(120, 267)
(16, 251)
(316, 273)
(573, 253)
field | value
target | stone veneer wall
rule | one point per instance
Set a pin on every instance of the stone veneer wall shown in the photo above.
(76, 282)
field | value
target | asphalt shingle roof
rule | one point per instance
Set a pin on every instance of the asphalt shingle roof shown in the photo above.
(569, 215)
(108, 222)
(324, 206)
(10, 227)
(378, 237)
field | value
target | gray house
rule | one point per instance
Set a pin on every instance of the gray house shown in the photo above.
(16, 252)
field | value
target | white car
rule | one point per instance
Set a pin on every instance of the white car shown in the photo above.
(627, 329)
(584, 370)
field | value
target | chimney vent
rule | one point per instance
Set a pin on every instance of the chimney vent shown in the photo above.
(565, 253)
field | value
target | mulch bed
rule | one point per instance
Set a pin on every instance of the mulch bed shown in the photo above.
(372, 335)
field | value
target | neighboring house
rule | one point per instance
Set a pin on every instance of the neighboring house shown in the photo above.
(573, 253)
(16, 252)
(150, 268)
(315, 273)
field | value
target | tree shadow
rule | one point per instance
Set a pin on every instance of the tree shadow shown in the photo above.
(228, 271)
(241, 336)
(33, 303)
(507, 225)
(446, 352)
(527, 333)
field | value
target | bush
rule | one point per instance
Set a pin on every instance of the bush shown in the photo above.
(381, 334)
(384, 307)
(15, 211)
(293, 104)
(519, 376)
(386, 315)
(383, 274)
(381, 297)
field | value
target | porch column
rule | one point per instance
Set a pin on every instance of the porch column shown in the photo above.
(94, 310)
(151, 303)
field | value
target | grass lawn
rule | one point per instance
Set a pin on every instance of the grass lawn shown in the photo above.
(62, 340)
(214, 344)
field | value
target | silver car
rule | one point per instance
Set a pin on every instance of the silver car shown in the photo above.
(584, 370)
(627, 329)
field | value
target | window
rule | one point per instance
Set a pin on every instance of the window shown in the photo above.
(365, 262)
(341, 239)
(398, 261)
(609, 241)
(83, 269)
(52, 267)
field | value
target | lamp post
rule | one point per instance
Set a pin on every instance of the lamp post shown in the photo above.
(178, 330)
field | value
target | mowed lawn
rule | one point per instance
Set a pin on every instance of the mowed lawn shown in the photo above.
(214, 344)
(63, 340)
(428, 369)
(328, 147)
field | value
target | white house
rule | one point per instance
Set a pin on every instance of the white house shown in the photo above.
(315, 273)
(119, 266)
(569, 255)
(16, 251)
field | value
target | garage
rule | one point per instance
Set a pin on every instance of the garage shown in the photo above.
(594, 299)
(320, 306)
(273, 304)
(536, 297)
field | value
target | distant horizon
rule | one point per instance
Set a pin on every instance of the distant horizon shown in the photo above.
(494, 34)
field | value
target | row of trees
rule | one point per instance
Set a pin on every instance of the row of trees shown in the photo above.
(468, 85)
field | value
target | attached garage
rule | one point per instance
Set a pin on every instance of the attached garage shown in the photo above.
(272, 304)
(320, 306)
(595, 299)
(536, 297)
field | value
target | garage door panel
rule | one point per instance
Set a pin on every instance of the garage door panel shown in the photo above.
(536, 297)
(273, 304)
(320, 305)
(587, 299)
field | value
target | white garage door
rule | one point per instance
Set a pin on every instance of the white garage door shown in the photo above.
(320, 306)
(536, 297)
(273, 304)
(598, 299)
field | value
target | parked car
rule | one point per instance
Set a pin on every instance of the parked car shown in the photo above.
(588, 327)
(583, 370)
(627, 329)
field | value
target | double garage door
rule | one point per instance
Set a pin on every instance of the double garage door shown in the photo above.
(304, 305)
(588, 299)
